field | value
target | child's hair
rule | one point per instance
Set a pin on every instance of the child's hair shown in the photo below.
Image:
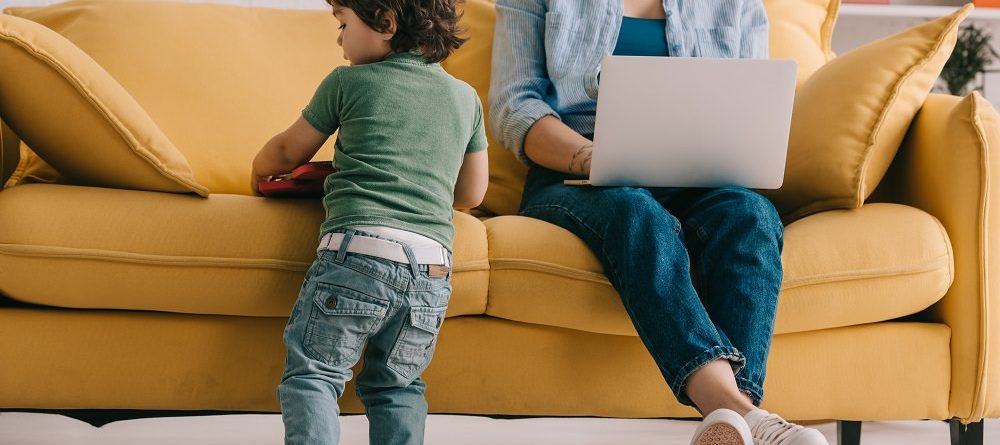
(428, 25)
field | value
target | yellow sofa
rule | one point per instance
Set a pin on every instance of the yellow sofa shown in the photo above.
(138, 299)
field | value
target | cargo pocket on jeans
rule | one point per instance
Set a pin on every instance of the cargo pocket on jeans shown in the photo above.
(340, 321)
(415, 346)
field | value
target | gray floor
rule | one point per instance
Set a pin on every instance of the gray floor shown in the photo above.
(50, 429)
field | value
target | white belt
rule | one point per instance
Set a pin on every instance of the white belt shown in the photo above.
(381, 248)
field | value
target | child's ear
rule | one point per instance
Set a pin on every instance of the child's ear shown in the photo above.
(390, 21)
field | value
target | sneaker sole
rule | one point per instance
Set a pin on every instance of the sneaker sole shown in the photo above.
(720, 434)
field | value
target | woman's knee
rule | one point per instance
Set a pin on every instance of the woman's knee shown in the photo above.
(746, 204)
(628, 201)
(636, 206)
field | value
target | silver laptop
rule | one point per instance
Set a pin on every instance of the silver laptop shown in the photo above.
(692, 122)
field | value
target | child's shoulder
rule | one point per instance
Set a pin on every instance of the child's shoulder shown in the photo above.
(334, 78)
(463, 87)
(343, 74)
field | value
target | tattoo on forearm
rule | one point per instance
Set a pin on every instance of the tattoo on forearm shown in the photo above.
(583, 154)
(585, 164)
(573, 159)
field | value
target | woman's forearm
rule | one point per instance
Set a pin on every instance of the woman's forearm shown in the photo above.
(553, 145)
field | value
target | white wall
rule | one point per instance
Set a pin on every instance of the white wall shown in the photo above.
(854, 31)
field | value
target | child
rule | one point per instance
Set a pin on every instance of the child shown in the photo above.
(410, 147)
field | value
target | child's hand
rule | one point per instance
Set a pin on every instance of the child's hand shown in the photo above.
(254, 184)
(287, 150)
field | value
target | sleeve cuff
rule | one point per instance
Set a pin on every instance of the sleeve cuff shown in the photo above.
(520, 122)
(314, 120)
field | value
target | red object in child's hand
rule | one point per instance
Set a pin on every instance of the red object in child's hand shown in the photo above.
(306, 181)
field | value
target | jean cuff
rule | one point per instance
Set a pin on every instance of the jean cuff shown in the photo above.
(752, 389)
(735, 357)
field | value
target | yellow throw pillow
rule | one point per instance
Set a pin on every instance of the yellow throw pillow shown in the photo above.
(9, 156)
(32, 169)
(23, 166)
(220, 80)
(799, 30)
(79, 119)
(851, 115)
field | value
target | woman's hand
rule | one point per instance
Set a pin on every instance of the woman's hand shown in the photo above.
(553, 145)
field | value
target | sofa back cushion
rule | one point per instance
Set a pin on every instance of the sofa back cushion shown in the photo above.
(799, 29)
(80, 119)
(219, 80)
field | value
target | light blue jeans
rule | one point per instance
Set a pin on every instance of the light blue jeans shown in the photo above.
(346, 300)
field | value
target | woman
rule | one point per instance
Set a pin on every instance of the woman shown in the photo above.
(698, 270)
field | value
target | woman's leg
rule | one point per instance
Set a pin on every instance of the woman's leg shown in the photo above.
(735, 239)
(642, 249)
(713, 386)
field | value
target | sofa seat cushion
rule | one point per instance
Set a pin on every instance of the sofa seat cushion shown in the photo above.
(81, 247)
(841, 268)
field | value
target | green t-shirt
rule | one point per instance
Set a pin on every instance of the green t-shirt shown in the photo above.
(405, 127)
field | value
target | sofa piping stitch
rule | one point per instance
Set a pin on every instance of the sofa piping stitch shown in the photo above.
(821, 279)
(177, 260)
(978, 403)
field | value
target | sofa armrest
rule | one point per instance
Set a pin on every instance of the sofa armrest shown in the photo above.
(946, 167)
(10, 148)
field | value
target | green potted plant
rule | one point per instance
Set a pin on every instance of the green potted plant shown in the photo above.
(972, 54)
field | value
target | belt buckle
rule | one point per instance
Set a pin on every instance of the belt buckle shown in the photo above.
(437, 270)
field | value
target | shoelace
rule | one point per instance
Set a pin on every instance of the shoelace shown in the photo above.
(773, 430)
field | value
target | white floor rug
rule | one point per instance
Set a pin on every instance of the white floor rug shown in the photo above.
(49, 429)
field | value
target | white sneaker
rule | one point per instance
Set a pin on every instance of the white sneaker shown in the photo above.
(722, 427)
(771, 429)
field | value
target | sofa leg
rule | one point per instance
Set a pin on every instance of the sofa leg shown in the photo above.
(971, 434)
(848, 432)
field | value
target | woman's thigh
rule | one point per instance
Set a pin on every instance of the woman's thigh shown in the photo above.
(595, 212)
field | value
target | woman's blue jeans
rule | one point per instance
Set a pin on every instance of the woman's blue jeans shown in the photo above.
(698, 270)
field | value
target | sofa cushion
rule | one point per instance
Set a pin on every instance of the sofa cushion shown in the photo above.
(800, 30)
(220, 80)
(9, 153)
(31, 169)
(82, 247)
(471, 63)
(841, 268)
(73, 113)
(851, 115)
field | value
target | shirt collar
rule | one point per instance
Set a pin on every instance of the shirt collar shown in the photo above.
(408, 57)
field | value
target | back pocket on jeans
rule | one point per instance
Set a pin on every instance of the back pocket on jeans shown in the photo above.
(340, 321)
(415, 346)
